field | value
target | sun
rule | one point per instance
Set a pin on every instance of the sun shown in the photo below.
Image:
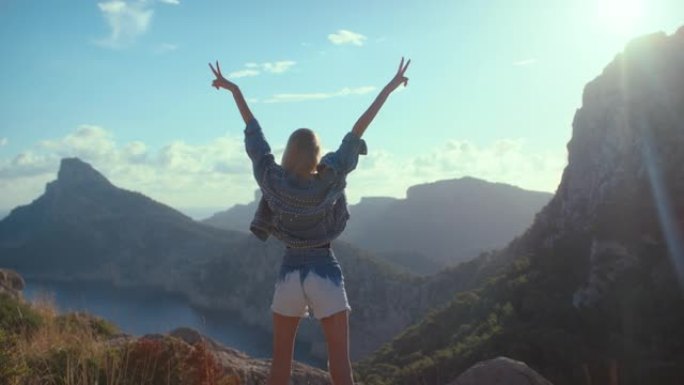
(620, 16)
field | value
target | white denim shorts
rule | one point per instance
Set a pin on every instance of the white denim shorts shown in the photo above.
(310, 283)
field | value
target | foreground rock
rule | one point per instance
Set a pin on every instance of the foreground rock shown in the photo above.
(500, 371)
(11, 283)
(240, 367)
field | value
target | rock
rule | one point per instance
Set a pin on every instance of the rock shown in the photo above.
(250, 371)
(500, 370)
(79, 174)
(11, 283)
(620, 193)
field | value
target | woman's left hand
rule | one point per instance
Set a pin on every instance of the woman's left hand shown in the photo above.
(399, 77)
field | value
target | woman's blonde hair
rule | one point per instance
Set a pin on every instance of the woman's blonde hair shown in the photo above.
(302, 152)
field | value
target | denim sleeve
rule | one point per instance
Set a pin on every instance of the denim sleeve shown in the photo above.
(344, 160)
(258, 149)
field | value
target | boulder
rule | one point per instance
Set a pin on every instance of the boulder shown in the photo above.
(11, 283)
(250, 371)
(500, 371)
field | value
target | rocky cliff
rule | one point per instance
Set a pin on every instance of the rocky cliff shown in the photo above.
(622, 190)
(592, 292)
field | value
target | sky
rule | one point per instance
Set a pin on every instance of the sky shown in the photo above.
(125, 85)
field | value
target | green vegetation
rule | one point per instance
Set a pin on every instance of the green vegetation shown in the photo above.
(527, 314)
(17, 317)
(39, 346)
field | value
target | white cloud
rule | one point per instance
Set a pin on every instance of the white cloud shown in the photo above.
(217, 173)
(525, 62)
(126, 20)
(277, 67)
(3, 142)
(344, 36)
(301, 97)
(243, 73)
(382, 173)
(254, 69)
(172, 2)
(165, 48)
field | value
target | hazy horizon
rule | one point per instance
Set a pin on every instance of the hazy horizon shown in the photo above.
(125, 86)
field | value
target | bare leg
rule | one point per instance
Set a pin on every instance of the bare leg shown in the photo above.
(284, 332)
(336, 329)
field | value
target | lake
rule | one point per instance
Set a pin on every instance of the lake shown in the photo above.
(144, 311)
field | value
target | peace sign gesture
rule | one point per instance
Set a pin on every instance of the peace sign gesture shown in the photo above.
(220, 81)
(399, 76)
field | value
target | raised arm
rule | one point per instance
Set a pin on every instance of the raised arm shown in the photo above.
(256, 145)
(221, 82)
(367, 117)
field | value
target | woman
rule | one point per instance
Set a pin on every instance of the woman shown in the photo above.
(303, 204)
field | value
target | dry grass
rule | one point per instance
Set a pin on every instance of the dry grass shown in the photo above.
(76, 349)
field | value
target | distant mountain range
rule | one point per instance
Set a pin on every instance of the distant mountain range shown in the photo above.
(237, 217)
(437, 225)
(85, 228)
(449, 221)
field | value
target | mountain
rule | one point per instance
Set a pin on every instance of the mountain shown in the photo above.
(450, 220)
(85, 228)
(237, 218)
(593, 291)
(438, 224)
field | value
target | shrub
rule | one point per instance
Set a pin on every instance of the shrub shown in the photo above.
(17, 317)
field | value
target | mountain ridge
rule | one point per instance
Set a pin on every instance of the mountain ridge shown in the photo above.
(440, 223)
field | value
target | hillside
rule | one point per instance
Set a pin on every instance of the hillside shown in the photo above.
(237, 217)
(594, 290)
(38, 345)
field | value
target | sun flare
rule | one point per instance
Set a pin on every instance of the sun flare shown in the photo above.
(620, 16)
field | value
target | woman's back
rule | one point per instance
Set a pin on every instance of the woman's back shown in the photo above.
(301, 212)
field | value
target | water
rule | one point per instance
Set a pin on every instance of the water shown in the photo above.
(144, 311)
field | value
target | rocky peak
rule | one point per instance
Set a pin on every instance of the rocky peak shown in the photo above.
(73, 172)
(632, 111)
(624, 175)
(446, 187)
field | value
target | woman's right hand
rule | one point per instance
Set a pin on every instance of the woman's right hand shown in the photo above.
(220, 81)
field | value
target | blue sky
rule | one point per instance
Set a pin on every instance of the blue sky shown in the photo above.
(125, 86)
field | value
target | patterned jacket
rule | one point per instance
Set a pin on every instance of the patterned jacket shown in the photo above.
(301, 213)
